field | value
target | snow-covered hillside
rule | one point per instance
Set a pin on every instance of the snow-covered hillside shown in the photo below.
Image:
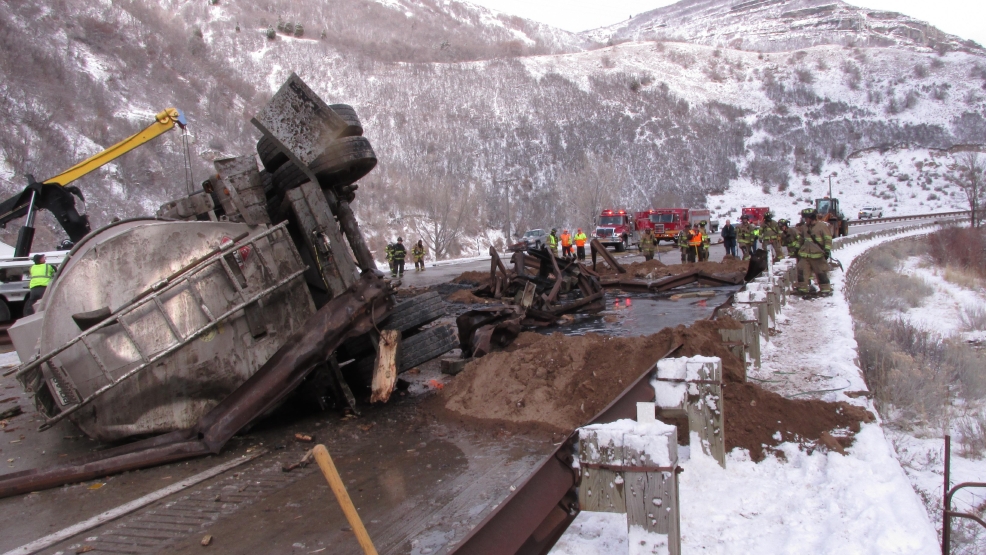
(499, 120)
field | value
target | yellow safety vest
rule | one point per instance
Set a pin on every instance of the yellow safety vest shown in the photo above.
(41, 275)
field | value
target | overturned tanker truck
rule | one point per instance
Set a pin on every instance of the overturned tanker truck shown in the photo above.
(190, 325)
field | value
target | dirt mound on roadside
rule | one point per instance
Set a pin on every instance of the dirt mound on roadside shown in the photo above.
(563, 381)
(465, 296)
(473, 278)
(753, 416)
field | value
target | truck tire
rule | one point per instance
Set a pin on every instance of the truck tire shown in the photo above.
(270, 156)
(344, 162)
(4, 311)
(621, 246)
(416, 311)
(430, 343)
(288, 176)
(353, 126)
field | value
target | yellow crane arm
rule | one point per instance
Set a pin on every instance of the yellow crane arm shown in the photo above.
(163, 122)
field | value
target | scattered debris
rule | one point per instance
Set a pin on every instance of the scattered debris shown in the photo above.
(305, 461)
(11, 412)
(206, 539)
(303, 437)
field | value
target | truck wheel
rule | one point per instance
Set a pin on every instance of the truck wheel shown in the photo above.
(288, 176)
(416, 311)
(353, 126)
(270, 156)
(621, 246)
(344, 161)
(4, 311)
(429, 344)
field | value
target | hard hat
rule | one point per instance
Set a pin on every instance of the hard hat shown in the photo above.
(400, 239)
(701, 223)
(768, 216)
(745, 217)
(809, 213)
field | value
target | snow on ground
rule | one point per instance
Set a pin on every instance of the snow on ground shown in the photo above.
(821, 502)
(9, 360)
(947, 311)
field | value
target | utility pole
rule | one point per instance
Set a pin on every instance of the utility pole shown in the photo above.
(830, 185)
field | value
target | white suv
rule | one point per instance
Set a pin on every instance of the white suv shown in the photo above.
(868, 212)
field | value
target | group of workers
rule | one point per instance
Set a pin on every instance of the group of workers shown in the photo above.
(566, 240)
(396, 253)
(693, 242)
(809, 241)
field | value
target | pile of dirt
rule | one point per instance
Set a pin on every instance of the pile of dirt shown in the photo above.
(465, 296)
(753, 417)
(654, 269)
(561, 381)
(473, 278)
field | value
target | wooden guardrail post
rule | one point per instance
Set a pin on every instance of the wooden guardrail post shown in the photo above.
(632, 467)
(693, 385)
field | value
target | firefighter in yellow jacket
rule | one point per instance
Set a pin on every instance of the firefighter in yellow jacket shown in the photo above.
(647, 244)
(814, 250)
(418, 252)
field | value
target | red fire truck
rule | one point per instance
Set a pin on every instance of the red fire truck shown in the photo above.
(756, 214)
(666, 222)
(614, 229)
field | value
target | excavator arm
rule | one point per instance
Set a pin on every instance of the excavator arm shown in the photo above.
(56, 195)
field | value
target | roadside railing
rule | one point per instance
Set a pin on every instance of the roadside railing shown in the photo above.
(939, 215)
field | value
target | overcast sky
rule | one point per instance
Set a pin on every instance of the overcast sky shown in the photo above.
(965, 18)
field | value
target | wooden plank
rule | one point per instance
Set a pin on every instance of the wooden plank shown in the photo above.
(705, 414)
(342, 496)
(385, 371)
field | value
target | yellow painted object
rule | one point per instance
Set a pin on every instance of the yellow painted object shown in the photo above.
(345, 503)
(163, 122)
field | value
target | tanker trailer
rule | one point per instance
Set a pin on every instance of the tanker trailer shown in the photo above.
(151, 323)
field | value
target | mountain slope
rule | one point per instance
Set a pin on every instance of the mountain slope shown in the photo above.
(486, 117)
(780, 25)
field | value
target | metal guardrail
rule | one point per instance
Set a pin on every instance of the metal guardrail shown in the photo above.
(940, 215)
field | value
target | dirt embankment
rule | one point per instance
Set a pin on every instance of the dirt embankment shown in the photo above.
(465, 296)
(654, 269)
(560, 382)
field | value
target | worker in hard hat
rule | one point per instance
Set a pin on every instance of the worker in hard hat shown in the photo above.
(815, 248)
(682, 241)
(399, 254)
(41, 275)
(580, 240)
(647, 243)
(566, 244)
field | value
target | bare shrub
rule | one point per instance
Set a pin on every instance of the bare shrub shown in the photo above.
(973, 318)
(959, 247)
(804, 76)
(920, 71)
(972, 436)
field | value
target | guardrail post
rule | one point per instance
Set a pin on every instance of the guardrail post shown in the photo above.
(693, 386)
(632, 468)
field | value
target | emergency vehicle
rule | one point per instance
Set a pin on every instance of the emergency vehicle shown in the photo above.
(666, 222)
(756, 214)
(615, 229)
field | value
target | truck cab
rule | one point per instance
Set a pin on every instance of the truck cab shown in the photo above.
(829, 212)
(666, 222)
(615, 229)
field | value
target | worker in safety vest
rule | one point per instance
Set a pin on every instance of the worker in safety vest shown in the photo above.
(41, 275)
(694, 244)
(771, 235)
(418, 252)
(745, 237)
(553, 241)
(647, 244)
(566, 244)
(815, 248)
(703, 253)
(580, 240)
(789, 236)
(682, 240)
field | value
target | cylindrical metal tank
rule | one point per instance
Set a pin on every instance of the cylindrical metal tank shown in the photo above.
(168, 285)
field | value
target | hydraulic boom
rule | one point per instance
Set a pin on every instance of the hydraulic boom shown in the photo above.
(56, 195)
